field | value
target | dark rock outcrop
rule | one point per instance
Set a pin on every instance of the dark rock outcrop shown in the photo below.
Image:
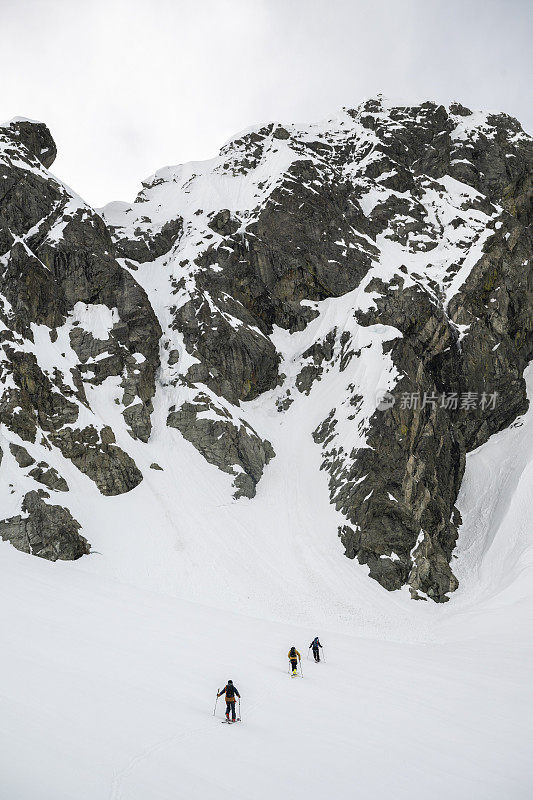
(399, 493)
(45, 530)
(232, 447)
(57, 257)
(96, 455)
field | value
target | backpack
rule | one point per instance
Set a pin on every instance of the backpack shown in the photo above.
(292, 651)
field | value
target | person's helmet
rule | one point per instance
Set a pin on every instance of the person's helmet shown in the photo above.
(230, 682)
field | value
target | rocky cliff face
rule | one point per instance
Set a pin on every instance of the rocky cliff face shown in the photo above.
(387, 250)
(71, 318)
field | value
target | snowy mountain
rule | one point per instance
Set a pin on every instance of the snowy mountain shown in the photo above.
(315, 345)
(271, 294)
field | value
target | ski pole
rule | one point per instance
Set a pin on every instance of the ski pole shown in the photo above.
(240, 718)
(301, 670)
(323, 655)
(216, 701)
(308, 649)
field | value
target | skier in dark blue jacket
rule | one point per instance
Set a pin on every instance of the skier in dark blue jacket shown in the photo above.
(315, 644)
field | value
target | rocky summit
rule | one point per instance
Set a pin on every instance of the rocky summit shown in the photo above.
(364, 283)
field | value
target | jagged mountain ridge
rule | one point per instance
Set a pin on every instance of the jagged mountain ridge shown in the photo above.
(387, 249)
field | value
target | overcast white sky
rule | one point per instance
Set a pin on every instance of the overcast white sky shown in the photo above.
(129, 86)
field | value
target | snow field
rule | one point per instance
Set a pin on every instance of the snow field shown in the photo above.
(108, 692)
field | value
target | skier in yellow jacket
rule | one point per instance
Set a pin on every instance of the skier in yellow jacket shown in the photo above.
(294, 657)
(231, 693)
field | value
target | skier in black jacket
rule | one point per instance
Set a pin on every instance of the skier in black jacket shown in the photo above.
(315, 644)
(231, 693)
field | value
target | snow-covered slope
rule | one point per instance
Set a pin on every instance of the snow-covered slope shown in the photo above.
(191, 417)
